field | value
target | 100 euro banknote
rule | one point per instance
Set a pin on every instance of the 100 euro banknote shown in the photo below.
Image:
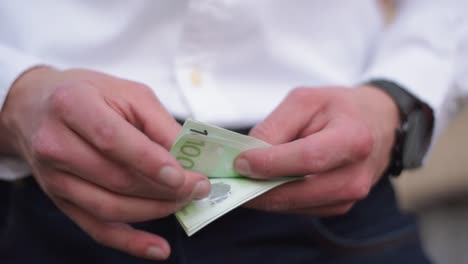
(211, 150)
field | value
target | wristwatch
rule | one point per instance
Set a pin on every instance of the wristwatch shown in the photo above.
(413, 137)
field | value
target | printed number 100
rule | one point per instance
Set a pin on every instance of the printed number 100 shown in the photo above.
(189, 150)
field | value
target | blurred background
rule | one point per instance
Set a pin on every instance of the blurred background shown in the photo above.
(438, 194)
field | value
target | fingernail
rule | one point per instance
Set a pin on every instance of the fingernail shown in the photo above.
(170, 176)
(242, 167)
(201, 189)
(155, 253)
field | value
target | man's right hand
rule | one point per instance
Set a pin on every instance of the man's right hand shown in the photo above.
(98, 146)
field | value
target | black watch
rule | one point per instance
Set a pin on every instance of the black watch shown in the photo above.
(413, 137)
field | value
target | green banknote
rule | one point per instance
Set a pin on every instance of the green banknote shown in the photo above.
(211, 150)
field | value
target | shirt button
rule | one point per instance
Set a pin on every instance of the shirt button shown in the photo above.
(196, 78)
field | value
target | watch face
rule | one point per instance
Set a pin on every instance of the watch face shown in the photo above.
(414, 135)
(418, 138)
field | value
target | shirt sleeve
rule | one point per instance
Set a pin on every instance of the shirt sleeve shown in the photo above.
(462, 71)
(13, 63)
(418, 50)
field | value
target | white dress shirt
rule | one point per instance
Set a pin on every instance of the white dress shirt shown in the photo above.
(230, 62)
(461, 78)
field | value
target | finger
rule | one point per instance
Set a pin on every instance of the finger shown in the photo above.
(107, 205)
(61, 148)
(300, 110)
(165, 129)
(336, 145)
(117, 235)
(116, 94)
(116, 138)
(346, 184)
(90, 165)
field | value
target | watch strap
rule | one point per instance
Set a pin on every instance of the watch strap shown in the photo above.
(404, 100)
(407, 152)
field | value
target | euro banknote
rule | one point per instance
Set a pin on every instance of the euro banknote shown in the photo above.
(211, 150)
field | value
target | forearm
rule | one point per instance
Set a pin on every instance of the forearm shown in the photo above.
(13, 63)
(16, 103)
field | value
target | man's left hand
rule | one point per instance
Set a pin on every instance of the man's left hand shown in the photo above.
(339, 138)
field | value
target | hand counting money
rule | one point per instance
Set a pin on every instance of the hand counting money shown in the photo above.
(211, 150)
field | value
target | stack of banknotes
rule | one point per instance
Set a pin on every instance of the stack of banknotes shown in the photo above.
(211, 151)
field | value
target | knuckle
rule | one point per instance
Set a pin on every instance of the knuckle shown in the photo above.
(182, 194)
(299, 95)
(43, 145)
(261, 165)
(108, 211)
(105, 137)
(114, 212)
(265, 131)
(149, 161)
(52, 184)
(313, 162)
(360, 188)
(98, 208)
(265, 163)
(363, 144)
(121, 183)
(62, 99)
(269, 131)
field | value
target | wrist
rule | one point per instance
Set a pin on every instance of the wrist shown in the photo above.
(383, 118)
(17, 101)
(384, 103)
(381, 107)
(414, 132)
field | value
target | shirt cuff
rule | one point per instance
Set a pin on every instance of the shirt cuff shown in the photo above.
(13, 169)
(425, 74)
(418, 51)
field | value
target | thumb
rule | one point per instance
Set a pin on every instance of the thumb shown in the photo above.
(144, 111)
(291, 118)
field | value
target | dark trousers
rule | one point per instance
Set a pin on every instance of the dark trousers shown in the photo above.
(373, 232)
(4, 202)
